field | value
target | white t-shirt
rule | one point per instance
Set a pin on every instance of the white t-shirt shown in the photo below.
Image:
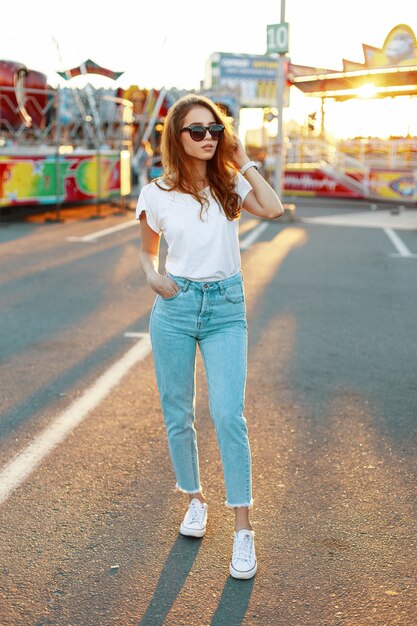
(199, 248)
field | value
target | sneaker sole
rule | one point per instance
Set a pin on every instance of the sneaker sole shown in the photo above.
(192, 532)
(243, 575)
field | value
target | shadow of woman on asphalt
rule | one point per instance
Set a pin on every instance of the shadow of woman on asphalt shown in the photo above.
(233, 603)
(173, 576)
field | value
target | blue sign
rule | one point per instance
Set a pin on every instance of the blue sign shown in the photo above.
(250, 67)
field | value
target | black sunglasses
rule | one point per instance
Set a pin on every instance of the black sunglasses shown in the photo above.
(198, 132)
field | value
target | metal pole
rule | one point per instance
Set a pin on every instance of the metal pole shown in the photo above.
(324, 153)
(280, 163)
(94, 110)
(98, 198)
(322, 114)
(139, 154)
(58, 156)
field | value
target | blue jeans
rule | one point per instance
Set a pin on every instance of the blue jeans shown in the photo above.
(212, 314)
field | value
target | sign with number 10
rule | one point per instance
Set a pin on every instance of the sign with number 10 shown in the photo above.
(277, 38)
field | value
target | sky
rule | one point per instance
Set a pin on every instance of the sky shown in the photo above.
(167, 43)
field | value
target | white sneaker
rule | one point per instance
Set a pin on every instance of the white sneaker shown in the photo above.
(195, 520)
(243, 563)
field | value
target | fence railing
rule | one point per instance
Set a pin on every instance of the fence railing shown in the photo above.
(362, 153)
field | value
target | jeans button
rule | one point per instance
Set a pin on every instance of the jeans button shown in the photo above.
(205, 286)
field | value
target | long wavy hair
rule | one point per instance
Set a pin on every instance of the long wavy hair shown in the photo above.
(221, 173)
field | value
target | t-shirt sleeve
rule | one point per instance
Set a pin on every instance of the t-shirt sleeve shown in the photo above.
(243, 187)
(151, 216)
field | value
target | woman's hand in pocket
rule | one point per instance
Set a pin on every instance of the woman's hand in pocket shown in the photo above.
(163, 285)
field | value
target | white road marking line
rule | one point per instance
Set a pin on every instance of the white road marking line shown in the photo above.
(253, 235)
(403, 251)
(103, 233)
(14, 473)
(135, 335)
(407, 220)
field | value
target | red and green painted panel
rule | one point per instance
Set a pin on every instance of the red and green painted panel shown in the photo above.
(37, 179)
(384, 184)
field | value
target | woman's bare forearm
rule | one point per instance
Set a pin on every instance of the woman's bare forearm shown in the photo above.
(149, 264)
(263, 202)
(265, 195)
(162, 285)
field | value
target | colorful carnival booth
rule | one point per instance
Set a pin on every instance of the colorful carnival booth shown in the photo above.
(60, 145)
(363, 167)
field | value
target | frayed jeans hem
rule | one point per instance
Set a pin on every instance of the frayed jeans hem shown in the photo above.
(247, 505)
(199, 490)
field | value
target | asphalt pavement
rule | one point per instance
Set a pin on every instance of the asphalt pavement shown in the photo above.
(89, 515)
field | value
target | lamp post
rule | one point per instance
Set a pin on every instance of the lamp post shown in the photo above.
(280, 163)
(277, 41)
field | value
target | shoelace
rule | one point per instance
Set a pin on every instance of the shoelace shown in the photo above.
(196, 513)
(244, 548)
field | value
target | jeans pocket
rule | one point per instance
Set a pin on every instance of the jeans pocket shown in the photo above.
(234, 293)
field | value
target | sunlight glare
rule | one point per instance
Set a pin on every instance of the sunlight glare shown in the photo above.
(366, 91)
(262, 261)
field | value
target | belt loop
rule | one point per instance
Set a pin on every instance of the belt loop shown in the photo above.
(221, 288)
(187, 284)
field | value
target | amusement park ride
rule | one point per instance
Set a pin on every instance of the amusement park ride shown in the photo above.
(54, 146)
(60, 146)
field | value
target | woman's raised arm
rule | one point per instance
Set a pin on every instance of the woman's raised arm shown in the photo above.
(262, 200)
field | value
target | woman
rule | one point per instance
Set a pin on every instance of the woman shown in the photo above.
(200, 299)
